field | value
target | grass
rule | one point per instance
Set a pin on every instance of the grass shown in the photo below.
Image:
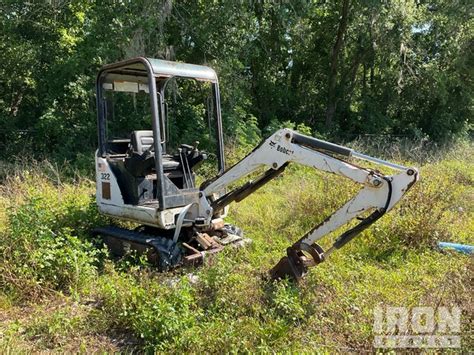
(61, 291)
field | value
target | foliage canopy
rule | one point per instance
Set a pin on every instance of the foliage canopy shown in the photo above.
(342, 68)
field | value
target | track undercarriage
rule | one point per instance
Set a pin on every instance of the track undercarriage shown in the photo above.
(162, 251)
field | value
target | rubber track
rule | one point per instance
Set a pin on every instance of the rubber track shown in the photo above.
(170, 254)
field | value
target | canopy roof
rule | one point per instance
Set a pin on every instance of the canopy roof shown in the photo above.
(138, 67)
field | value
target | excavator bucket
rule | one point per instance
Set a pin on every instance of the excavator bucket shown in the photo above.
(287, 269)
(295, 265)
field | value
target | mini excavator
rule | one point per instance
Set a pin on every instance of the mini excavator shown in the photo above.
(140, 178)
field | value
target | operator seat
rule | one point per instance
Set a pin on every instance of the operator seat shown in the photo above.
(141, 141)
(141, 163)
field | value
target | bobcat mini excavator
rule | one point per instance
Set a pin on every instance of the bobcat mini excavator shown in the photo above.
(142, 177)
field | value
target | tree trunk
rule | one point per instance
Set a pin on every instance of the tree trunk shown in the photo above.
(336, 50)
(16, 102)
(352, 77)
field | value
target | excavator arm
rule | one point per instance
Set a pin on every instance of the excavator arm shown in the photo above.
(378, 195)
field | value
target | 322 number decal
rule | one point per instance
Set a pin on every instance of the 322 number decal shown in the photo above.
(105, 176)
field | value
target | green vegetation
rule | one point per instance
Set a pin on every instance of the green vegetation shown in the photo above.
(61, 290)
(398, 72)
(343, 68)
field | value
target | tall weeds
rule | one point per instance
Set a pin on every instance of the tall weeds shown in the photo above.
(46, 251)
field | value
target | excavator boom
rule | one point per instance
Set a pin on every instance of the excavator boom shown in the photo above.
(379, 192)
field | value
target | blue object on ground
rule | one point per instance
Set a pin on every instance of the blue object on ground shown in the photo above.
(462, 248)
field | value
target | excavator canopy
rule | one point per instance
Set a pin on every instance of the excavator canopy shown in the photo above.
(151, 76)
(141, 67)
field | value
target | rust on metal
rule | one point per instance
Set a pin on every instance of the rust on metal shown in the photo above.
(204, 240)
(106, 195)
(295, 265)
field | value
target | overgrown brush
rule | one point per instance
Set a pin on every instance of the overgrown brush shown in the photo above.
(227, 305)
(438, 209)
(45, 243)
